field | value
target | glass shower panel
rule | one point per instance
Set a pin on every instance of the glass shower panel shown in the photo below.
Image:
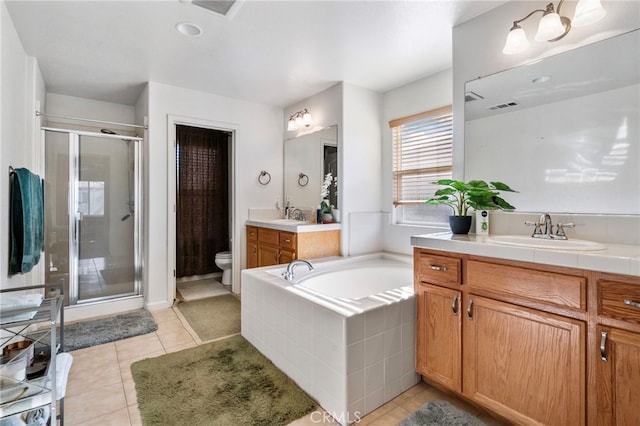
(91, 226)
(105, 223)
(56, 212)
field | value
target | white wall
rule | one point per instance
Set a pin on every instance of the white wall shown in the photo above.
(477, 51)
(258, 146)
(22, 92)
(360, 166)
(422, 95)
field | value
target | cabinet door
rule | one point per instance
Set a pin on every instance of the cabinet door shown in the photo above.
(526, 365)
(252, 254)
(268, 255)
(286, 256)
(438, 337)
(618, 377)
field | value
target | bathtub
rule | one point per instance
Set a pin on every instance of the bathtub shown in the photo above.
(344, 332)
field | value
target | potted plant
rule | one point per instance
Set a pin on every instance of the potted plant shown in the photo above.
(475, 194)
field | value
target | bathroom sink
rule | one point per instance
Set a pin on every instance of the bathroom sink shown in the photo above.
(289, 221)
(542, 243)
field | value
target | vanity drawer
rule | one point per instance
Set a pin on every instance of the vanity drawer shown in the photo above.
(269, 236)
(252, 233)
(562, 290)
(443, 270)
(288, 240)
(619, 300)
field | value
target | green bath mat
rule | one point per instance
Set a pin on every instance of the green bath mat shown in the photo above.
(227, 382)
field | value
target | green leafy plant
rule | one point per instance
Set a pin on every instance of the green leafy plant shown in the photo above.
(476, 194)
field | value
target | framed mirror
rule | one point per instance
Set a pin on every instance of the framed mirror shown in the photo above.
(307, 161)
(564, 131)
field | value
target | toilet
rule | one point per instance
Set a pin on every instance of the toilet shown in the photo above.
(224, 262)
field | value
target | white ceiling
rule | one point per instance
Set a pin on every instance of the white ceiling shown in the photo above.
(274, 52)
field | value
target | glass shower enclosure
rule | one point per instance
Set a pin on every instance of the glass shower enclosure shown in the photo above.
(92, 214)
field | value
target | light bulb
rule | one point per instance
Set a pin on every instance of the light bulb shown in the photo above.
(588, 12)
(516, 41)
(306, 118)
(550, 27)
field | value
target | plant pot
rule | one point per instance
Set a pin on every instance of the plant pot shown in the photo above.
(460, 224)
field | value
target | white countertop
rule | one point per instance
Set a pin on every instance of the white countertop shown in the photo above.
(294, 225)
(615, 258)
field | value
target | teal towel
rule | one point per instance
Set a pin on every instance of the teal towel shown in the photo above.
(26, 221)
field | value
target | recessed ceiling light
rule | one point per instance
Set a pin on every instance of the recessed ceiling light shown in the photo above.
(541, 79)
(189, 29)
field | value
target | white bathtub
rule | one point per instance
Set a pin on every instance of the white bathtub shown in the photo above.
(345, 332)
(362, 280)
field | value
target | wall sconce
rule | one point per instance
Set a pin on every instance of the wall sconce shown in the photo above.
(299, 120)
(552, 26)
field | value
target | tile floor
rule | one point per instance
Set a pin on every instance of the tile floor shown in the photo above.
(101, 391)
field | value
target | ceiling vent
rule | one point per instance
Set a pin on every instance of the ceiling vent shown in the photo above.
(472, 96)
(221, 7)
(504, 105)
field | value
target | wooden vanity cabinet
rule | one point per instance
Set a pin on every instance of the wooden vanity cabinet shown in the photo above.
(439, 334)
(618, 357)
(500, 336)
(268, 246)
(252, 247)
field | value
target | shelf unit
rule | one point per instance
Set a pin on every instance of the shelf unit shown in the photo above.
(39, 391)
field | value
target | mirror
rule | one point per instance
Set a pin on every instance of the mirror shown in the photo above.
(563, 131)
(307, 160)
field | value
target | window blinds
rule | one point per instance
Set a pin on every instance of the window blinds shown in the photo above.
(422, 154)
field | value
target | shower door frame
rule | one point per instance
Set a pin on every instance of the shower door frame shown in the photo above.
(73, 213)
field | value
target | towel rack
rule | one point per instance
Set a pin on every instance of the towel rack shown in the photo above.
(11, 170)
(303, 179)
(264, 178)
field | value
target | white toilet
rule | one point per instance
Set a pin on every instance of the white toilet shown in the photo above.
(224, 262)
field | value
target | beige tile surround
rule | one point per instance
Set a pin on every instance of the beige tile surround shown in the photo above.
(101, 391)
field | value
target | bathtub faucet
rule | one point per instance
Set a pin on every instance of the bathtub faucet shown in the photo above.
(288, 274)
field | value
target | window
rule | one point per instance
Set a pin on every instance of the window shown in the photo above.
(91, 198)
(422, 154)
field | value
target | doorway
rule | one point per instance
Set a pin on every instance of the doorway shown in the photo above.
(92, 219)
(203, 200)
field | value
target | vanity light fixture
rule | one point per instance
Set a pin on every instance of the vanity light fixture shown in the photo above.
(553, 26)
(299, 120)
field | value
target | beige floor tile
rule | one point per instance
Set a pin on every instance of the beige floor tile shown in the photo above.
(378, 412)
(138, 346)
(117, 418)
(180, 347)
(90, 405)
(170, 326)
(163, 316)
(130, 392)
(175, 338)
(317, 417)
(86, 380)
(392, 417)
(134, 416)
(125, 364)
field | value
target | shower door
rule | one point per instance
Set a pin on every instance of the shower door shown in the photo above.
(92, 223)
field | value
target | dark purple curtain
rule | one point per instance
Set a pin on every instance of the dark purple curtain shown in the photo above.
(202, 214)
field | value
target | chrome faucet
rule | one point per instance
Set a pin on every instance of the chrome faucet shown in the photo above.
(547, 232)
(297, 214)
(288, 274)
